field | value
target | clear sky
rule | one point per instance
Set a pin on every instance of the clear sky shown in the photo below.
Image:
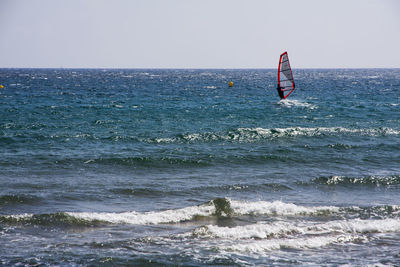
(199, 33)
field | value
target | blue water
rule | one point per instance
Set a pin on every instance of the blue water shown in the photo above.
(174, 167)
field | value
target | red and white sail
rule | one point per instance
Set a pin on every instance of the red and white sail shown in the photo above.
(285, 76)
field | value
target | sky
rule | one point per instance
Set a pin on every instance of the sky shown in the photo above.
(199, 33)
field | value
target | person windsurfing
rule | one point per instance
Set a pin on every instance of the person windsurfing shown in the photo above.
(280, 91)
(285, 77)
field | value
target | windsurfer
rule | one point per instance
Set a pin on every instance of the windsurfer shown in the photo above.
(280, 92)
(285, 77)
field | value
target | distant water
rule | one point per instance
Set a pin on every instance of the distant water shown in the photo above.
(173, 167)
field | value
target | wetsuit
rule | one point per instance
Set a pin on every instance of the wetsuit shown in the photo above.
(280, 92)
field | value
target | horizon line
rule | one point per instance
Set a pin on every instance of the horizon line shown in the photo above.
(201, 68)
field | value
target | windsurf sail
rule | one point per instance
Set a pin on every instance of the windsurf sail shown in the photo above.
(285, 77)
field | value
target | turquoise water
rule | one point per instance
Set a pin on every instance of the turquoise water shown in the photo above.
(174, 167)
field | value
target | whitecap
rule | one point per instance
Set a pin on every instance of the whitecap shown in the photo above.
(296, 103)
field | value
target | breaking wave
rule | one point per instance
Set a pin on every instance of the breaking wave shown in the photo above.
(220, 207)
(216, 207)
(285, 229)
(290, 243)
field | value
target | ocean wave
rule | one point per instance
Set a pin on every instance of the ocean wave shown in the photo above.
(376, 212)
(367, 180)
(289, 243)
(240, 135)
(160, 217)
(257, 134)
(279, 208)
(295, 234)
(288, 229)
(252, 231)
(219, 207)
(292, 234)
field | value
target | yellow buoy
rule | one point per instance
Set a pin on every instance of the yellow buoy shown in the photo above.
(230, 84)
(1, 86)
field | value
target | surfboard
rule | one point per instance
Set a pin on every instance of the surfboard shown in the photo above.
(285, 76)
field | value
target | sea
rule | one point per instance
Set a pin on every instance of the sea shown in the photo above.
(172, 167)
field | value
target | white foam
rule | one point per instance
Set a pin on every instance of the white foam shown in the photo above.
(165, 140)
(360, 226)
(277, 208)
(296, 103)
(294, 229)
(251, 246)
(20, 216)
(253, 231)
(313, 131)
(188, 213)
(167, 216)
(254, 134)
(297, 235)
